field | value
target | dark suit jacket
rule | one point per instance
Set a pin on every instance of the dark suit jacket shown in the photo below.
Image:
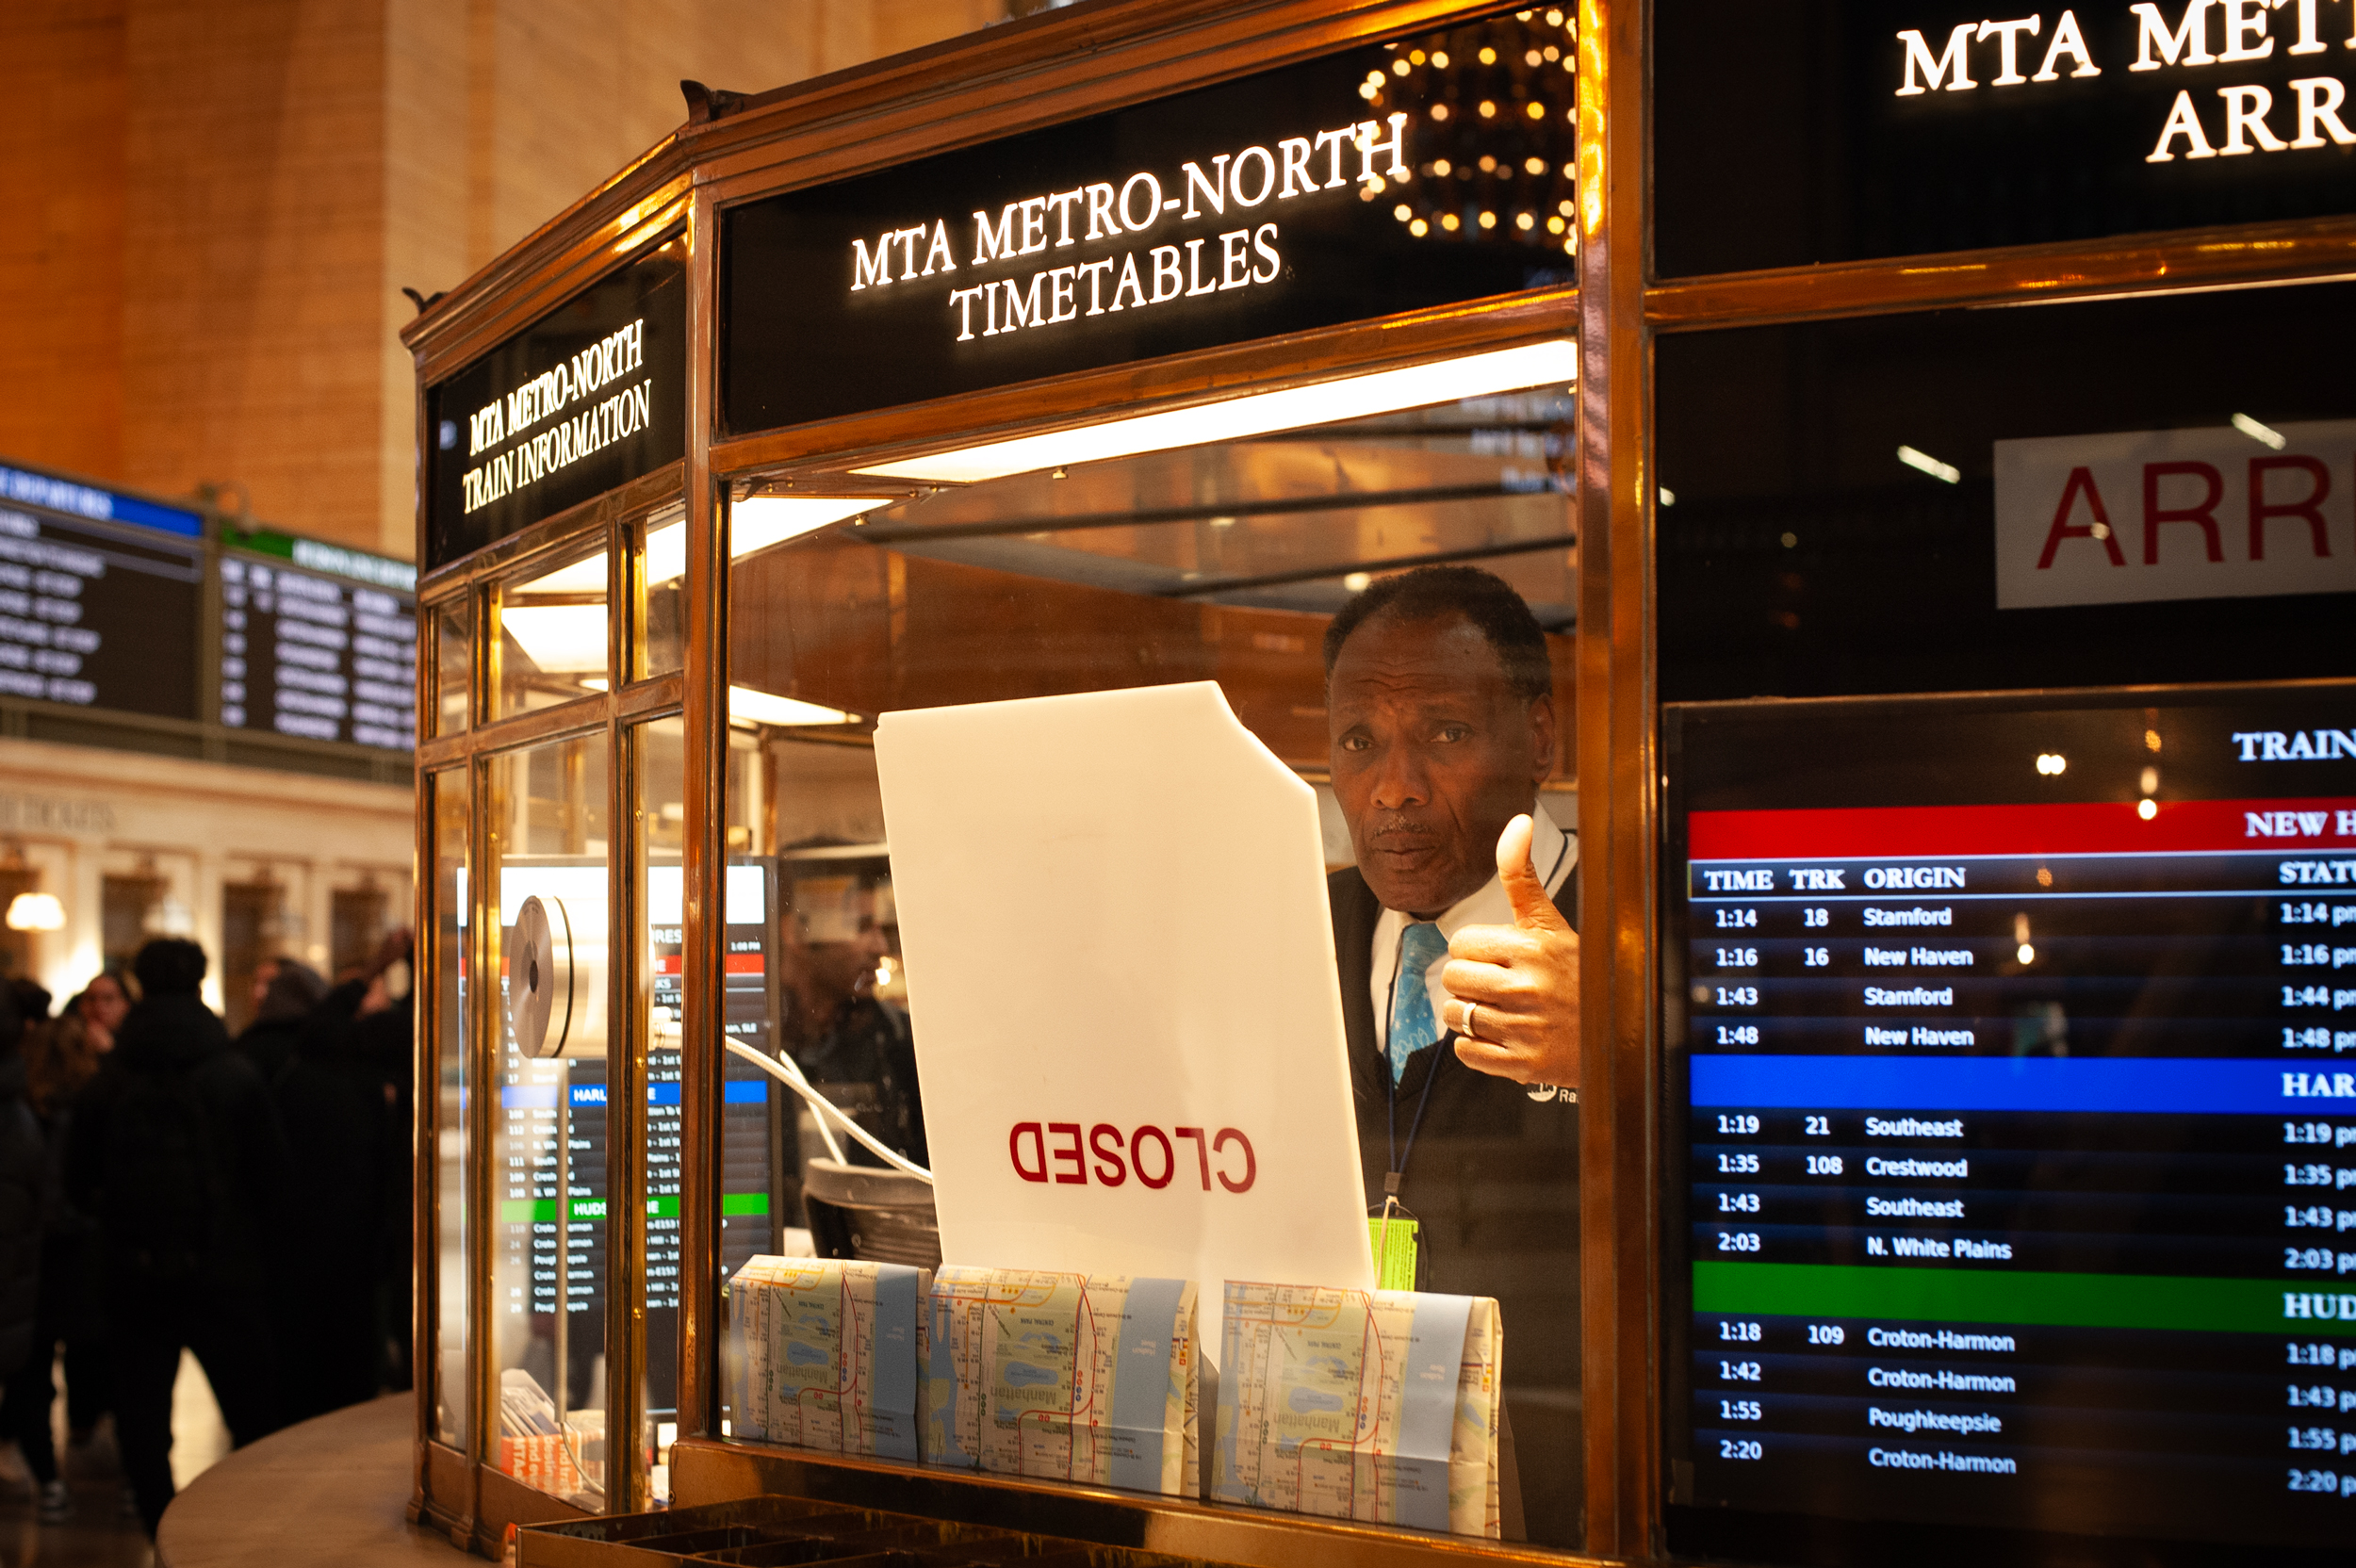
(1492, 1177)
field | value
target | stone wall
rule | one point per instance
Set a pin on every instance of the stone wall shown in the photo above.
(217, 204)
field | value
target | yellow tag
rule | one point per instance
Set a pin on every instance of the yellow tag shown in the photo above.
(1394, 1242)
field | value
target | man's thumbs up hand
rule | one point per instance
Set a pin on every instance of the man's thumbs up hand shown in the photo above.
(1513, 989)
(1532, 909)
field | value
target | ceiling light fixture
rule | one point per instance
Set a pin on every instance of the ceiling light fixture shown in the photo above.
(747, 706)
(756, 523)
(1924, 461)
(561, 639)
(36, 913)
(1239, 418)
(2266, 435)
(585, 575)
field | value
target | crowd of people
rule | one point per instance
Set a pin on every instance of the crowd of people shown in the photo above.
(165, 1187)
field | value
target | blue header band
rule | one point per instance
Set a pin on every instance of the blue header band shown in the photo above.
(105, 506)
(2162, 1086)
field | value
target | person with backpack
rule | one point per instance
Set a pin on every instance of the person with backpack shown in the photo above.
(176, 1149)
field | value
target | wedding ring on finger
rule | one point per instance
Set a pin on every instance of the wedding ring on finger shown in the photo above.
(1472, 1030)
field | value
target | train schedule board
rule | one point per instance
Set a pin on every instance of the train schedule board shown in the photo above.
(318, 640)
(98, 597)
(2011, 1126)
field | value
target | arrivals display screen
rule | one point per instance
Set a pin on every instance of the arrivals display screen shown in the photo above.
(2011, 1123)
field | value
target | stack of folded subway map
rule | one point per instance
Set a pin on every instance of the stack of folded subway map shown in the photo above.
(1066, 1376)
(1380, 1406)
(821, 1353)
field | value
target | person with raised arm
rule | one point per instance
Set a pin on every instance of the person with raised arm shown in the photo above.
(1459, 962)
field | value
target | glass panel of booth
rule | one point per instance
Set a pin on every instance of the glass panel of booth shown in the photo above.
(1224, 561)
(553, 637)
(659, 757)
(453, 665)
(550, 816)
(451, 804)
(2113, 492)
(660, 617)
(2050, 972)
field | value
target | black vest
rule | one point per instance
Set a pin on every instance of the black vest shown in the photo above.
(1492, 1177)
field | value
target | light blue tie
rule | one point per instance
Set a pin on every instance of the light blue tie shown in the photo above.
(1413, 1027)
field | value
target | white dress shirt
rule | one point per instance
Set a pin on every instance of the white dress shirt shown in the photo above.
(1553, 852)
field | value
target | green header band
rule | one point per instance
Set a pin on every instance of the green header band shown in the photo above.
(542, 1211)
(318, 556)
(2186, 1303)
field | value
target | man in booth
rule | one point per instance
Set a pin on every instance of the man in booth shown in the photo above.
(1460, 976)
(855, 1046)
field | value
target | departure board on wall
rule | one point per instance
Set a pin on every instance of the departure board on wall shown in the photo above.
(98, 598)
(2012, 1079)
(324, 648)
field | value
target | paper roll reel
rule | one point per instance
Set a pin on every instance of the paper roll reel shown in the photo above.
(555, 982)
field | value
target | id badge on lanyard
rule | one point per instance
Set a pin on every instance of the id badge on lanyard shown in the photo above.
(1396, 1236)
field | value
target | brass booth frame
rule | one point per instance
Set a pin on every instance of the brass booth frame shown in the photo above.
(1098, 56)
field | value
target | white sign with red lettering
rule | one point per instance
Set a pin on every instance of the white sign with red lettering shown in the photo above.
(2176, 514)
(1122, 990)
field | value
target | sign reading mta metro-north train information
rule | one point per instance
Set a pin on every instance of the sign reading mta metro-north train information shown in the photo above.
(590, 397)
(2019, 1112)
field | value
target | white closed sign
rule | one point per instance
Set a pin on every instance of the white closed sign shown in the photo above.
(2176, 514)
(1121, 983)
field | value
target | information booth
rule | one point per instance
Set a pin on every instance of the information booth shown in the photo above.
(1922, 441)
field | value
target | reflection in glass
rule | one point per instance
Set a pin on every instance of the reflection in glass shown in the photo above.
(549, 1132)
(660, 794)
(453, 807)
(1219, 562)
(1808, 556)
(453, 663)
(663, 616)
(553, 634)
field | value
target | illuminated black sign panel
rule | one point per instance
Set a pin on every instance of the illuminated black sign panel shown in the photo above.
(98, 598)
(2012, 1088)
(589, 397)
(315, 653)
(1381, 179)
(1838, 130)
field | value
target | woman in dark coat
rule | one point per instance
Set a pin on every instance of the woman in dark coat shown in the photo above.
(285, 993)
(31, 1215)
